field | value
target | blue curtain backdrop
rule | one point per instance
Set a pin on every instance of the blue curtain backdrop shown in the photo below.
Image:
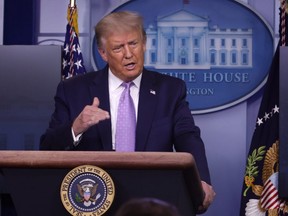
(19, 22)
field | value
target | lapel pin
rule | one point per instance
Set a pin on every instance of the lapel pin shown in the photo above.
(152, 92)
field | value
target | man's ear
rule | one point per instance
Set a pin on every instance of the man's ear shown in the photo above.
(102, 52)
(144, 47)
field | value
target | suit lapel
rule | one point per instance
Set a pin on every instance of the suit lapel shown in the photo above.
(99, 89)
(146, 108)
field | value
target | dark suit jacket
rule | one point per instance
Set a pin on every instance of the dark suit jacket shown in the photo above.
(164, 118)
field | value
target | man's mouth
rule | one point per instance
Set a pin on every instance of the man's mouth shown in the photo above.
(130, 66)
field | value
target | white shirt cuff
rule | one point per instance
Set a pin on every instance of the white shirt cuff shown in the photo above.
(76, 139)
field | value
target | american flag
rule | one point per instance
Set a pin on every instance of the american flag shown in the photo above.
(72, 56)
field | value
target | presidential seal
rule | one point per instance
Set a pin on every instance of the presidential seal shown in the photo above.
(87, 190)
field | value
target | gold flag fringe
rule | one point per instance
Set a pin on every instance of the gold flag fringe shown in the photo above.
(72, 18)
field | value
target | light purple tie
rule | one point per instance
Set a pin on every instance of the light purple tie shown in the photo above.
(126, 121)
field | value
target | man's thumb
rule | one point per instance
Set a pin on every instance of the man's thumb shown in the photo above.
(95, 102)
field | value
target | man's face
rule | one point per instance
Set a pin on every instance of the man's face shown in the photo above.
(124, 52)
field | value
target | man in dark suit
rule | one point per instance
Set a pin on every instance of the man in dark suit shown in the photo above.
(85, 115)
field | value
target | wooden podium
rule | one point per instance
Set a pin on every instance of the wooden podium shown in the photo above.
(33, 178)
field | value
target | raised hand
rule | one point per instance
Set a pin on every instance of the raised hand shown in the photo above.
(90, 115)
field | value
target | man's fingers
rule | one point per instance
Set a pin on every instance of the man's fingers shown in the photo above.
(90, 116)
(209, 197)
(102, 114)
(98, 114)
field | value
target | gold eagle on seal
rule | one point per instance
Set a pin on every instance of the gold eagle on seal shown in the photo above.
(87, 192)
(270, 171)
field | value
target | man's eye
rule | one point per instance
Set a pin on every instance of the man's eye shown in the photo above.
(117, 49)
(133, 44)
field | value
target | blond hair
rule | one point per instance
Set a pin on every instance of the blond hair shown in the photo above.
(122, 21)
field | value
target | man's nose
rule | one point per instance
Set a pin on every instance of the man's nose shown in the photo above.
(127, 52)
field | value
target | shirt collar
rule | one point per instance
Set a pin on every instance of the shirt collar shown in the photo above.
(115, 82)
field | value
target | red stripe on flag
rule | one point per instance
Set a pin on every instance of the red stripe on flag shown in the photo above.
(269, 198)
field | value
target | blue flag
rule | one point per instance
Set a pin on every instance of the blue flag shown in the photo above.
(260, 193)
(73, 63)
(260, 187)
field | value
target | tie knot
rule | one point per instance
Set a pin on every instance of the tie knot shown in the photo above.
(127, 84)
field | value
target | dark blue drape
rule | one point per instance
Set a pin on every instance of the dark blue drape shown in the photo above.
(19, 22)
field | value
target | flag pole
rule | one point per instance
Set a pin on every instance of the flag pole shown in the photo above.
(283, 20)
(72, 3)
